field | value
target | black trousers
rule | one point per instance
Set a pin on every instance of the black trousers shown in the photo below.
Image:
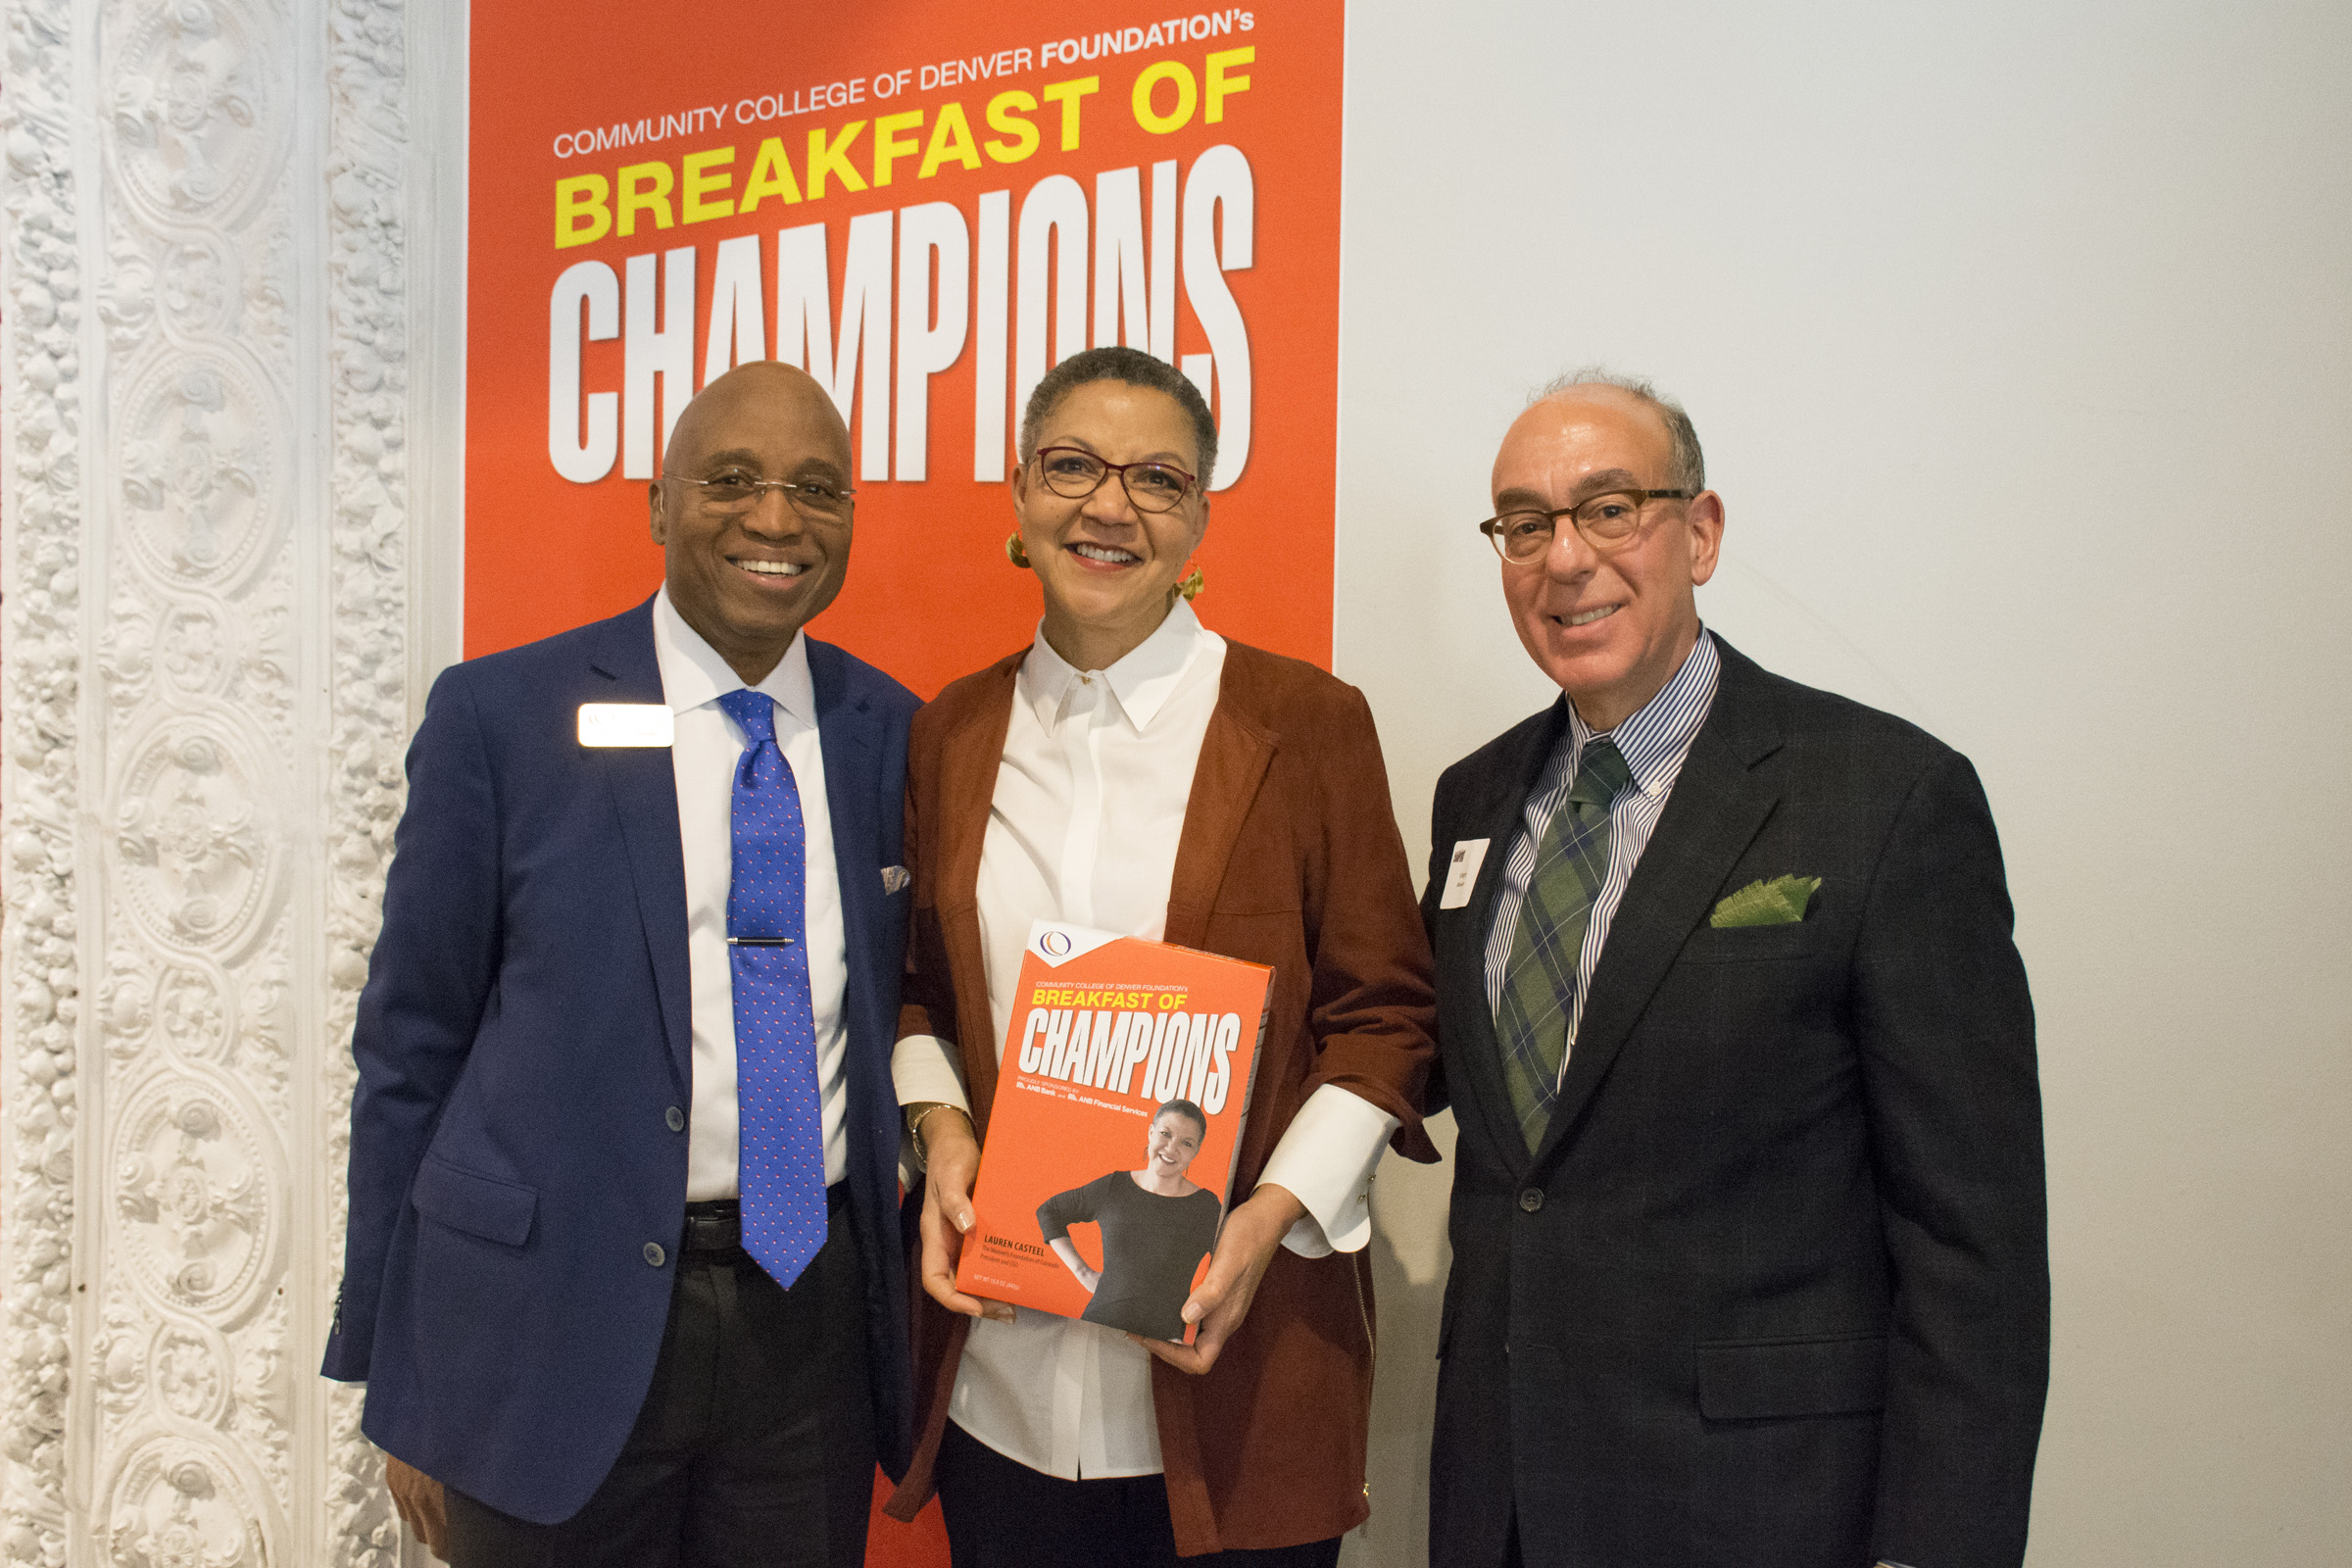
(1002, 1514)
(755, 1447)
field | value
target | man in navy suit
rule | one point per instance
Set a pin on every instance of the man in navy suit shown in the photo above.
(587, 1335)
(1750, 1263)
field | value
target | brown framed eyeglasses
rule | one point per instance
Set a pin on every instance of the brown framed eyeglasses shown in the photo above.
(1606, 521)
(1074, 474)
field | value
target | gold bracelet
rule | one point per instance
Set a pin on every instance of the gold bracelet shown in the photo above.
(919, 1114)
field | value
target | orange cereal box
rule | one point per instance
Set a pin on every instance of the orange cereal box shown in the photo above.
(1120, 1097)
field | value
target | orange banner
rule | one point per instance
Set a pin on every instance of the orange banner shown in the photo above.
(927, 206)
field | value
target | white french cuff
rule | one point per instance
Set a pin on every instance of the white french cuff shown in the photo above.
(1326, 1160)
(923, 1068)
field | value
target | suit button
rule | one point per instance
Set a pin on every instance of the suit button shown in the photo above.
(1531, 1198)
(677, 1119)
(654, 1253)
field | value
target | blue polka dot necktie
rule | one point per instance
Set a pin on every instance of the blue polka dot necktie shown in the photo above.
(781, 1170)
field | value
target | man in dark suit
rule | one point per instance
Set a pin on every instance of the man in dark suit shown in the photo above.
(1749, 1246)
(623, 1272)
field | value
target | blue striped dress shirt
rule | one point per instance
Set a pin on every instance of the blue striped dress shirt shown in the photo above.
(1655, 743)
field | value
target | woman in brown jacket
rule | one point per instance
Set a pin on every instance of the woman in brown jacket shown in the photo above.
(1133, 771)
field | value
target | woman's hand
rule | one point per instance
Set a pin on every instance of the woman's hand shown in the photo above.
(1244, 1248)
(422, 1504)
(952, 1159)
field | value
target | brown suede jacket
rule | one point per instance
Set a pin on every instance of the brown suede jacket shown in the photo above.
(1289, 857)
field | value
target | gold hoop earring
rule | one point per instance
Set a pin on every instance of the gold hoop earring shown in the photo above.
(1013, 550)
(1191, 585)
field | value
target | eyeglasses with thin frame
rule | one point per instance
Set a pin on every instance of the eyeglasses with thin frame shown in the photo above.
(1607, 521)
(1074, 474)
(732, 494)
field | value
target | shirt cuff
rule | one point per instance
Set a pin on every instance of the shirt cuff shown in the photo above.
(1326, 1160)
(925, 1068)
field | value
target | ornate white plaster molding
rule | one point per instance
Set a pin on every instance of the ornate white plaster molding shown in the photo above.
(187, 1415)
(199, 781)
(367, 303)
(41, 964)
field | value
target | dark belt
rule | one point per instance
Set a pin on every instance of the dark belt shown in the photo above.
(716, 1224)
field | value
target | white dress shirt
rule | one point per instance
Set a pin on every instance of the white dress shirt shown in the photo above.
(702, 757)
(1083, 826)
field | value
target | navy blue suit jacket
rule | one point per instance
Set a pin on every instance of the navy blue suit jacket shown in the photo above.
(525, 1048)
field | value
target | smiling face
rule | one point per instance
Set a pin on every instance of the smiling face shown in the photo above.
(749, 581)
(1612, 627)
(1107, 568)
(1171, 1143)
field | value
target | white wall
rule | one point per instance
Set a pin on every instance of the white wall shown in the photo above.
(2018, 337)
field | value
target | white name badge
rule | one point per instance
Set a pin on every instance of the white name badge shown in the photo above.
(1461, 873)
(626, 724)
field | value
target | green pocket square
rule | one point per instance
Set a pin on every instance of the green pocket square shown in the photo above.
(1778, 902)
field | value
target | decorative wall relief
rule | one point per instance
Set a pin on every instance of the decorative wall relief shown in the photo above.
(202, 806)
(198, 468)
(367, 736)
(42, 1029)
(176, 1503)
(200, 778)
(193, 831)
(196, 1193)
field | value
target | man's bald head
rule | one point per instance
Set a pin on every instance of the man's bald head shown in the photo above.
(760, 383)
(752, 513)
(1688, 466)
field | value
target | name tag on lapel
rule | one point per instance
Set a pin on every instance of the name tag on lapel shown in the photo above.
(1461, 872)
(626, 724)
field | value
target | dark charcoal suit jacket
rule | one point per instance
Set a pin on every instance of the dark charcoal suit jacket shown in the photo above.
(524, 1046)
(1773, 1291)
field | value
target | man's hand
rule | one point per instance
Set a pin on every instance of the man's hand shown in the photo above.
(1244, 1249)
(952, 1157)
(422, 1505)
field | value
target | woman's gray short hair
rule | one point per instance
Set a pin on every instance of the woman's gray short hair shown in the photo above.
(1115, 363)
(1687, 465)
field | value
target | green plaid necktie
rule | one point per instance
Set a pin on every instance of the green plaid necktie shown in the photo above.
(1539, 978)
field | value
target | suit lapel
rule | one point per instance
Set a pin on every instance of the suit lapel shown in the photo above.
(1495, 814)
(645, 795)
(844, 730)
(1718, 806)
(968, 760)
(1234, 755)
